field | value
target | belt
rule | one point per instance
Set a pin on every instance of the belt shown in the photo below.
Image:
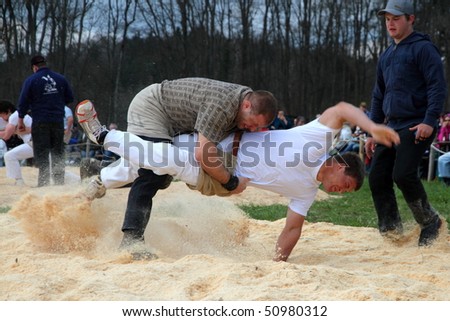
(236, 141)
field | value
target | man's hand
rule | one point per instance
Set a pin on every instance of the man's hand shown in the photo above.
(385, 135)
(423, 131)
(289, 236)
(20, 125)
(242, 185)
(370, 147)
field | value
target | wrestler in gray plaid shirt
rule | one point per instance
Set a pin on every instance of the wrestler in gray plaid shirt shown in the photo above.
(210, 107)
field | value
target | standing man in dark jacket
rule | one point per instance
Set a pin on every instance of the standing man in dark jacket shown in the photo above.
(409, 95)
(46, 94)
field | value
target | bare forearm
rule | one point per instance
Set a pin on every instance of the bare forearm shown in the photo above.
(214, 168)
(353, 115)
(206, 155)
(286, 242)
(8, 132)
(334, 117)
(289, 236)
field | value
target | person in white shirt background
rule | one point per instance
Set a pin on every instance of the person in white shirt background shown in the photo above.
(13, 157)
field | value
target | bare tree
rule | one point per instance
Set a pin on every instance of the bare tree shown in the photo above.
(309, 53)
(246, 19)
(120, 19)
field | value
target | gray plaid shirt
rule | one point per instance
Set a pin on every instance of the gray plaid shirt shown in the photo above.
(207, 106)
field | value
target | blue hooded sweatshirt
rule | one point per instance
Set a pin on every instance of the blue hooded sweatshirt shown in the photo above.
(45, 93)
(410, 87)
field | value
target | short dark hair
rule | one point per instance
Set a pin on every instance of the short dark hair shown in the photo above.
(38, 61)
(7, 107)
(354, 167)
(264, 103)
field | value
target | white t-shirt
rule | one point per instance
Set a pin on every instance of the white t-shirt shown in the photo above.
(14, 120)
(285, 161)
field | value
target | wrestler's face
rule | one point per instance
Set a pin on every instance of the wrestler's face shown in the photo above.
(252, 123)
(5, 116)
(249, 121)
(338, 182)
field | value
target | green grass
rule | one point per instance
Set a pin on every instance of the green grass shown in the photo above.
(268, 213)
(355, 209)
(4, 209)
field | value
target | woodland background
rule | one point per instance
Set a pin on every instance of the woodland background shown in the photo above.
(309, 53)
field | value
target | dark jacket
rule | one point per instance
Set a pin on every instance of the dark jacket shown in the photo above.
(45, 93)
(410, 87)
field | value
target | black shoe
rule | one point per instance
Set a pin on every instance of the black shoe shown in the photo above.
(130, 239)
(143, 255)
(135, 246)
(430, 232)
(392, 232)
(90, 167)
(167, 182)
(389, 220)
(396, 228)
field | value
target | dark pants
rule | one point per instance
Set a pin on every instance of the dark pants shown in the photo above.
(48, 150)
(139, 205)
(399, 165)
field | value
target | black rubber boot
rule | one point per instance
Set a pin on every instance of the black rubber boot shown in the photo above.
(166, 182)
(389, 220)
(428, 219)
(135, 245)
(130, 238)
(430, 232)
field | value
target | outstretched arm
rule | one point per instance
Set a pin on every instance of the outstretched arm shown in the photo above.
(289, 236)
(334, 117)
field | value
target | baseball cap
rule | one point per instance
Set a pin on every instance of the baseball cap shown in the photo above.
(37, 60)
(398, 8)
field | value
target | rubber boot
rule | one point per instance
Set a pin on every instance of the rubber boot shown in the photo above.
(428, 219)
(134, 244)
(130, 238)
(389, 220)
(167, 181)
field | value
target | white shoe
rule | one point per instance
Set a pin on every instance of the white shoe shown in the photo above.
(20, 182)
(95, 189)
(87, 118)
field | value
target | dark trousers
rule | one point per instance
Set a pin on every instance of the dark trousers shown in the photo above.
(139, 205)
(399, 165)
(48, 149)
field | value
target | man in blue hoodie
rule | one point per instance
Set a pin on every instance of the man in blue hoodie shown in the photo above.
(45, 94)
(409, 95)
